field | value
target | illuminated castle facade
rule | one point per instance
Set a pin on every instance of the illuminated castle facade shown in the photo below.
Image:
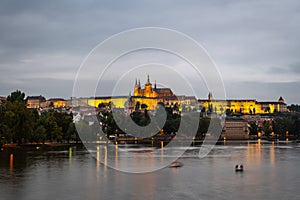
(242, 106)
(150, 96)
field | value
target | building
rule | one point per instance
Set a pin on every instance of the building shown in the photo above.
(235, 128)
(116, 101)
(148, 96)
(151, 92)
(2, 99)
(242, 106)
(56, 103)
(36, 101)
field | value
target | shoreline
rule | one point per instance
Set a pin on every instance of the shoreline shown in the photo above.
(64, 146)
(38, 146)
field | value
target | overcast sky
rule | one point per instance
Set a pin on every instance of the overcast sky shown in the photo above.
(255, 44)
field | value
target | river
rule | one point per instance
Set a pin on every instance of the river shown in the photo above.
(272, 171)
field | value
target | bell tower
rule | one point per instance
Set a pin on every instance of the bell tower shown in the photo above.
(137, 88)
(210, 97)
(148, 92)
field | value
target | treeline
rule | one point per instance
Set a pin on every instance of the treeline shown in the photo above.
(279, 126)
(173, 121)
(19, 124)
(294, 108)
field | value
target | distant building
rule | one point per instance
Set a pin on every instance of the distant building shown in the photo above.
(149, 96)
(75, 102)
(242, 106)
(35, 101)
(152, 95)
(116, 101)
(149, 91)
(235, 128)
(56, 103)
(2, 99)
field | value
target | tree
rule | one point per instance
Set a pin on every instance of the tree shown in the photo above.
(40, 134)
(283, 125)
(137, 105)
(52, 129)
(203, 127)
(144, 106)
(16, 96)
(18, 120)
(228, 112)
(101, 105)
(253, 128)
(297, 127)
(72, 133)
(267, 128)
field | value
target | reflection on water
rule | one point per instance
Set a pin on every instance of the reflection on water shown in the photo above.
(11, 162)
(271, 172)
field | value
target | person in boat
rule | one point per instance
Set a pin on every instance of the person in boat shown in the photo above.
(239, 167)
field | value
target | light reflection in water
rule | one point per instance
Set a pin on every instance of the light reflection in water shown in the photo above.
(117, 156)
(70, 155)
(98, 157)
(11, 163)
(253, 152)
(272, 154)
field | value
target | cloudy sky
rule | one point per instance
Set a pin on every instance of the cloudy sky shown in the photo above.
(255, 44)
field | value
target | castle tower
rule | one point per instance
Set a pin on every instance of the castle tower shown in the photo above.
(281, 100)
(148, 80)
(210, 97)
(137, 88)
(148, 91)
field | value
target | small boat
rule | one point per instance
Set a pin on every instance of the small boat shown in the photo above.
(176, 164)
(239, 168)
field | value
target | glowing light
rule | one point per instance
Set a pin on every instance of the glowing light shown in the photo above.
(11, 162)
(259, 134)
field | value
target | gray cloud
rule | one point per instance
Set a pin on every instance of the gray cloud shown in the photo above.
(253, 42)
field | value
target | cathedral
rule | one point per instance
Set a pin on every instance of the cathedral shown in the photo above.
(150, 91)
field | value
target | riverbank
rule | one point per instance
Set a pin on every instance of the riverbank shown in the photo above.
(38, 146)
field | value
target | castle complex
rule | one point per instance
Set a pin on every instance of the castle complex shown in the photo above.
(150, 96)
(242, 106)
(150, 91)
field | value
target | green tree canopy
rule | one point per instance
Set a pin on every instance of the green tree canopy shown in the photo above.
(16, 96)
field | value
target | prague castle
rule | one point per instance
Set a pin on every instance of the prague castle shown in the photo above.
(150, 96)
(150, 91)
(242, 106)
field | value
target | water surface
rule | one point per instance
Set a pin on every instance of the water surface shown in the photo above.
(271, 172)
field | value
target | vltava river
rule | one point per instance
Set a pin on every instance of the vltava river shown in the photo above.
(272, 171)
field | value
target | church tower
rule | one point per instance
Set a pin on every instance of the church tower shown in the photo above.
(137, 88)
(148, 88)
(281, 100)
(210, 97)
